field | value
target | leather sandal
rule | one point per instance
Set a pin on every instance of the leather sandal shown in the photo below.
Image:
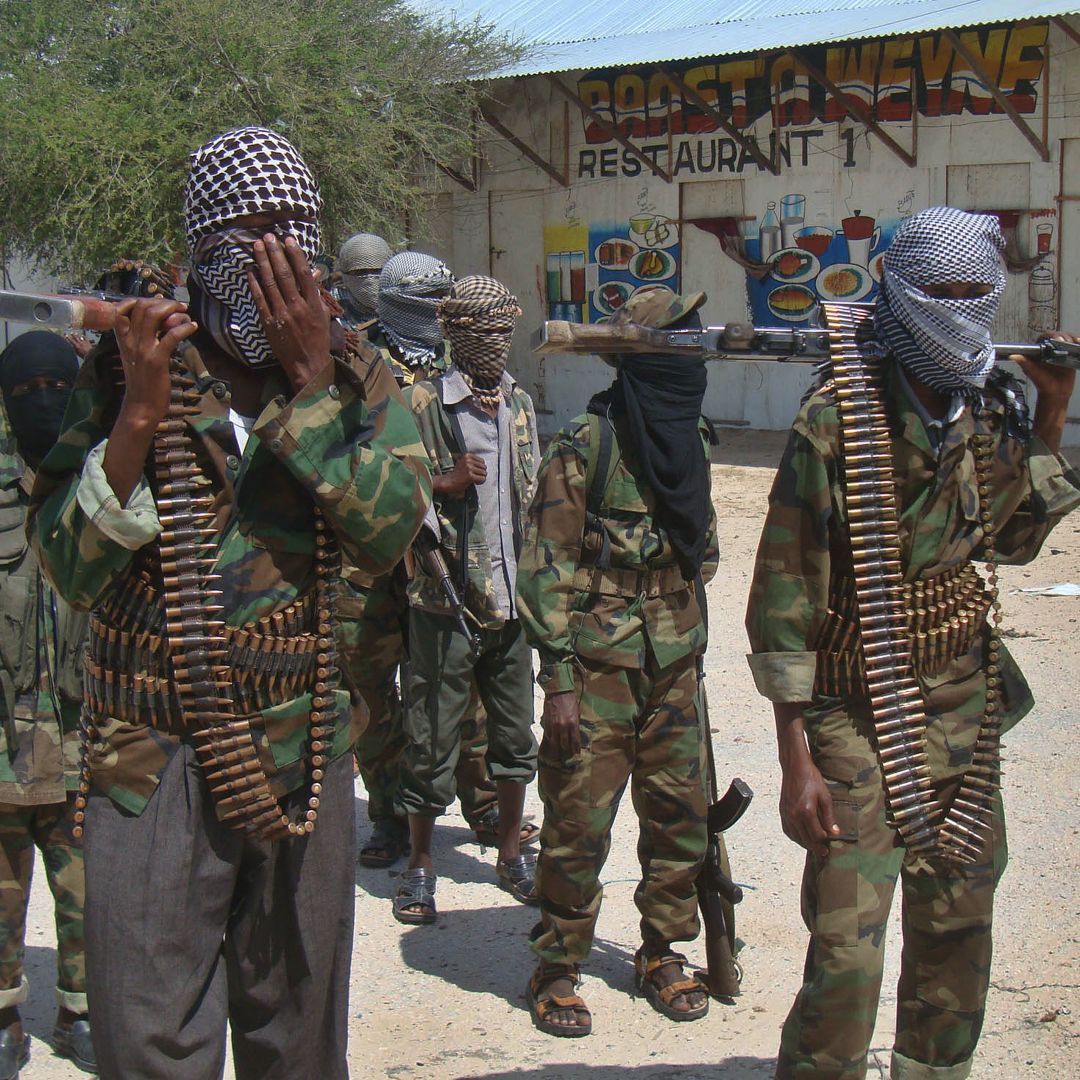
(517, 876)
(661, 997)
(487, 830)
(417, 889)
(541, 1008)
(388, 842)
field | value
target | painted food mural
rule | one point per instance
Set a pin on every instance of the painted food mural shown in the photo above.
(811, 263)
(593, 268)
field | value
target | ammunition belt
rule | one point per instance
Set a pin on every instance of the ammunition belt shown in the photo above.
(198, 676)
(893, 693)
(628, 583)
(889, 618)
(946, 616)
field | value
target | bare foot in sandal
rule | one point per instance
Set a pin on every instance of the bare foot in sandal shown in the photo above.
(669, 989)
(556, 1008)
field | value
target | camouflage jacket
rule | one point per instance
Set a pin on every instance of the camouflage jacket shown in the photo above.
(804, 540)
(641, 611)
(342, 443)
(41, 647)
(436, 429)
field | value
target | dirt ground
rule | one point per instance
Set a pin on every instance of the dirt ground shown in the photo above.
(446, 1001)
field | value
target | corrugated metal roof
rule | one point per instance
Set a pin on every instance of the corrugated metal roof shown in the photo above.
(572, 35)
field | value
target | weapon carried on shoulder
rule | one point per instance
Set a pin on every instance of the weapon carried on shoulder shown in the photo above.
(435, 564)
(736, 341)
(87, 309)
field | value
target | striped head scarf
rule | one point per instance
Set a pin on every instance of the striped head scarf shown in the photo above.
(945, 343)
(359, 261)
(249, 170)
(411, 286)
(479, 317)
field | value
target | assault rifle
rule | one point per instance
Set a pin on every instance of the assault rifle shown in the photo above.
(737, 341)
(717, 892)
(436, 566)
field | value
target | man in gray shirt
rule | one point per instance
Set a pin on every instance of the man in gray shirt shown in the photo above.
(479, 430)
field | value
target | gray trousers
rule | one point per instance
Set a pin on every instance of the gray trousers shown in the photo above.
(188, 923)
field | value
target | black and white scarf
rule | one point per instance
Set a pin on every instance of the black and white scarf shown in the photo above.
(411, 286)
(945, 343)
(249, 170)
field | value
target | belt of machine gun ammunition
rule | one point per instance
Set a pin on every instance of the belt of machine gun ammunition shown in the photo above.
(888, 625)
(945, 618)
(160, 654)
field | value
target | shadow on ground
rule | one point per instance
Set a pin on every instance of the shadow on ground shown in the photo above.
(731, 1068)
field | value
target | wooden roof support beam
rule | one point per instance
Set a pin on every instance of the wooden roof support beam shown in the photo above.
(609, 129)
(857, 110)
(523, 148)
(748, 146)
(997, 93)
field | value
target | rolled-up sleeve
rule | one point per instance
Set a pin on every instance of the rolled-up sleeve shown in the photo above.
(130, 526)
(789, 592)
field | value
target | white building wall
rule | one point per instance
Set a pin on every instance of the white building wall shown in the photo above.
(513, 222)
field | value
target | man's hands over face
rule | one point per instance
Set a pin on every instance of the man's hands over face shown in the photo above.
(290, 307)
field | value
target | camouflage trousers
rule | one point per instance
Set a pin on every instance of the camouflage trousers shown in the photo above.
(372, 629)
(22, 828)
(641, 727)
(946, 924)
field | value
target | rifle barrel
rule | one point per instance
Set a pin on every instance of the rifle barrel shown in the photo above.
(738, 341)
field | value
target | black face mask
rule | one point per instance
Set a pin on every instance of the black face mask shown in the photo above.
(36, 420)
(36, 416)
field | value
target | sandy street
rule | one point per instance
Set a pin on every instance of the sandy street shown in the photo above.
(446, 1001)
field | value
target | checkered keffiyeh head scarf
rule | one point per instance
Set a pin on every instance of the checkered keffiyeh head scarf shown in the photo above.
(249, 170)
(411, 286)
(945, 343)
(479, 317)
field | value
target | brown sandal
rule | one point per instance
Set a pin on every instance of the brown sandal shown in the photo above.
(661, 997)
(541, 1008)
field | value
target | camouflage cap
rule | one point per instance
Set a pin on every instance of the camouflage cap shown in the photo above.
(658, 307)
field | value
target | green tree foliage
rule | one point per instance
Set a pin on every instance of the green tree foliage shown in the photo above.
(102, 102)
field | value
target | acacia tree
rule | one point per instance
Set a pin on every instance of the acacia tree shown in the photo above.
(101, 104)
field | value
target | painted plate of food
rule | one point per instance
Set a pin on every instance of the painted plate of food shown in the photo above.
(615, 253)
(612, 295)
(875, 266)
(792, 303)
(652, 264)
(843, 282)
(794, 265)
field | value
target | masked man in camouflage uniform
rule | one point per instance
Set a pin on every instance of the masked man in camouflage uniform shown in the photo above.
(374, 613)
(620, 529)
(479, 429)
(946, 409)
(41, 682)
(218, 739)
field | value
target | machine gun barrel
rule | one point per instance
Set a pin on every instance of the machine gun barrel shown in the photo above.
(737, 341)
